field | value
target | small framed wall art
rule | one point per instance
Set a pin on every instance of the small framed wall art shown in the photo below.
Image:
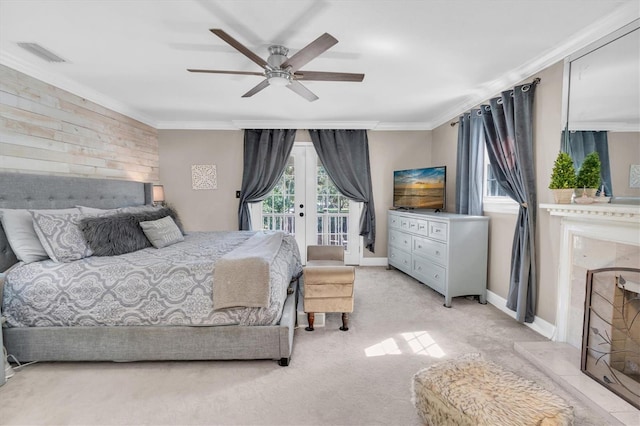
(204, 176)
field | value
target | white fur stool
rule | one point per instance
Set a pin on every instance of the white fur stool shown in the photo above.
(471, 391)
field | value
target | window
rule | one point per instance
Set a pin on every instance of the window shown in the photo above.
(332, 212)
(495, 199)
(492, 188)
(278, 209)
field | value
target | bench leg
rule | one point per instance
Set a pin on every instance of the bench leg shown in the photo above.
(345, 321)
(310, 318)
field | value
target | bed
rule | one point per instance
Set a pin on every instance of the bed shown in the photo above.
(160, 309)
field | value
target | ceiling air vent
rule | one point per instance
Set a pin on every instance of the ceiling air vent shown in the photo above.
(41, 52)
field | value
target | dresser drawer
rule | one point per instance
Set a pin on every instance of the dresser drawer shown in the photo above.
(434, 250)
(418, 226)
(438, 230)
(394, 221)
(430, 273)
(400, 240)
(400, 259)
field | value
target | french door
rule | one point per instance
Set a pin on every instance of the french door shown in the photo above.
(306, 203)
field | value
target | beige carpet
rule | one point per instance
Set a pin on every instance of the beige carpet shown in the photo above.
(359, 377)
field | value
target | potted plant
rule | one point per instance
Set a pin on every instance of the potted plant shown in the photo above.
(588, 178)
(563, 178)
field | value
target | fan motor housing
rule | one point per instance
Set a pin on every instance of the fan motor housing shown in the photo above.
(277, 55)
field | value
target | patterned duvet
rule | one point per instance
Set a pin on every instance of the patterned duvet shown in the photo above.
(168, 286)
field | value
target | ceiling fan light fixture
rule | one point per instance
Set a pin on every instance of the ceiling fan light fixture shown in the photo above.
(278, 78)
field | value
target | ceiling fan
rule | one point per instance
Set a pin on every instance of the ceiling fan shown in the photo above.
(280, 70)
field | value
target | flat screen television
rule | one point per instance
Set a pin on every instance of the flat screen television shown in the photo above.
(420, 188)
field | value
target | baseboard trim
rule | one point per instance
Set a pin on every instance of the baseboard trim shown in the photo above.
(374, 261)
(538, 325)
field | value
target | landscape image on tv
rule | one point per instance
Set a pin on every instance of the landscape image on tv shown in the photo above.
(419, 188)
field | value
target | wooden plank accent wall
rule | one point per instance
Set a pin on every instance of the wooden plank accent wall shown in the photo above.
(47, 130)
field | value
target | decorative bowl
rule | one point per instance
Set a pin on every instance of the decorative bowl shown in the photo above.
(601, 199)
(583, 200)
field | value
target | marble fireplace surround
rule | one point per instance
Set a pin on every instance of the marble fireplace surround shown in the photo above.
(592, 236)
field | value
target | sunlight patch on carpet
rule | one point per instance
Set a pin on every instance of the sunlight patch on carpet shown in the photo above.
(386, 347)
(423, 344)
(418, 342)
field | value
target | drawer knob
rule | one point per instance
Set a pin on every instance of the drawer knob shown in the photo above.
(419, 246)
(438, 252)
(436, 276)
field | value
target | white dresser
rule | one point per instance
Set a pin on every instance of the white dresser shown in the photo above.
(446, 251)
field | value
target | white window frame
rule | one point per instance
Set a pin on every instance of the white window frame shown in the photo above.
(495, 204)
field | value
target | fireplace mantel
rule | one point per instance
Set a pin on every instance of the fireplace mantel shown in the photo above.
(596, 211)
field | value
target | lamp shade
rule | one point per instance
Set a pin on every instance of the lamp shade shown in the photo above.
(158, 193)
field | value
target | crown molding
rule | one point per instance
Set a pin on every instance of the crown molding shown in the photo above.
(617, 19)
(269, 124)
(73, 87)
(196, 125)
(404, 126)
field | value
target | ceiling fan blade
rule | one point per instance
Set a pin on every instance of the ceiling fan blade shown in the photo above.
(327, 76)
(302, 91)
(309, 52)
(226, 72)
(240, 47)
(256, 89)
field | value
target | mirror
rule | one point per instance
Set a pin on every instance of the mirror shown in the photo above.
(602, 84)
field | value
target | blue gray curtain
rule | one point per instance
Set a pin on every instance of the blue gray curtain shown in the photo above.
(580, 143)
(508, 125)
(266, 153)
(470, 164)
(345, 156)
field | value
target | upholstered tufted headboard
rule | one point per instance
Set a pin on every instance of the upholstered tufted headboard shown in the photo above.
(28, 191)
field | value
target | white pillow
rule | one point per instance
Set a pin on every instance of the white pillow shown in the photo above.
(162, 232)
(22, 237)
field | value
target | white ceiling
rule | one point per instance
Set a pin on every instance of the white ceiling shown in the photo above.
(425, 61)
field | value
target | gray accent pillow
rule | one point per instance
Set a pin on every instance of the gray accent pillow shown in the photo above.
(22, 237)
(121, 233)
(162, 232)
(60, 236)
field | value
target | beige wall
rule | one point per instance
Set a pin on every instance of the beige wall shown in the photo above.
(202, 210)
(217, 209)
(624, 150)
(44, 129)
(389, 151)
(547, 125)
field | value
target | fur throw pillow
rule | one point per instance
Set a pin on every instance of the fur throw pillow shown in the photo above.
(121, 233)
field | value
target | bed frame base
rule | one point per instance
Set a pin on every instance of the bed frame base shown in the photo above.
(162, 343)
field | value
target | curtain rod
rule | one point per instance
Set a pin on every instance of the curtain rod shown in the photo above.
(535, 81)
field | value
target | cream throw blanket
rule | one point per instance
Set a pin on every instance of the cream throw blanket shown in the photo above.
(241, 277)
